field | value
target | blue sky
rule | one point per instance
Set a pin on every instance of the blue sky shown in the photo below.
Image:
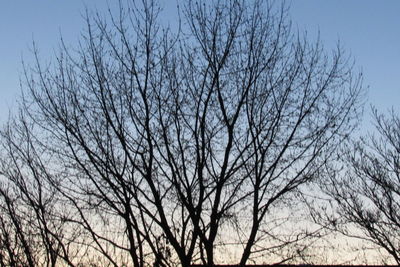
(368, 30)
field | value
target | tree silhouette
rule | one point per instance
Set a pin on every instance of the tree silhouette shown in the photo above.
(367, 197)
(160, 147)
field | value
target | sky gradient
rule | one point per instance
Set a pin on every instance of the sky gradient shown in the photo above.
(368, 30)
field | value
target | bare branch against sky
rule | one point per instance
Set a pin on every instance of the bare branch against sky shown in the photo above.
(154, 144)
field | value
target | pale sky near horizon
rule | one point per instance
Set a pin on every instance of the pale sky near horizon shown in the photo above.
(369, 30)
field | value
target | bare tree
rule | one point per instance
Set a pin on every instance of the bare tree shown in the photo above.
(367, 196)
(164, 147)
(32, 225)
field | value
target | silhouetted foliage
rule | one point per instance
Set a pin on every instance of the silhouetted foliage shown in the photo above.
(146, 146)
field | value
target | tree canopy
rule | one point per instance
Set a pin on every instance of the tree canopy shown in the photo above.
(150, 146)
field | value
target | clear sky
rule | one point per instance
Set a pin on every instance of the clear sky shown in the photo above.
(369, 30)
